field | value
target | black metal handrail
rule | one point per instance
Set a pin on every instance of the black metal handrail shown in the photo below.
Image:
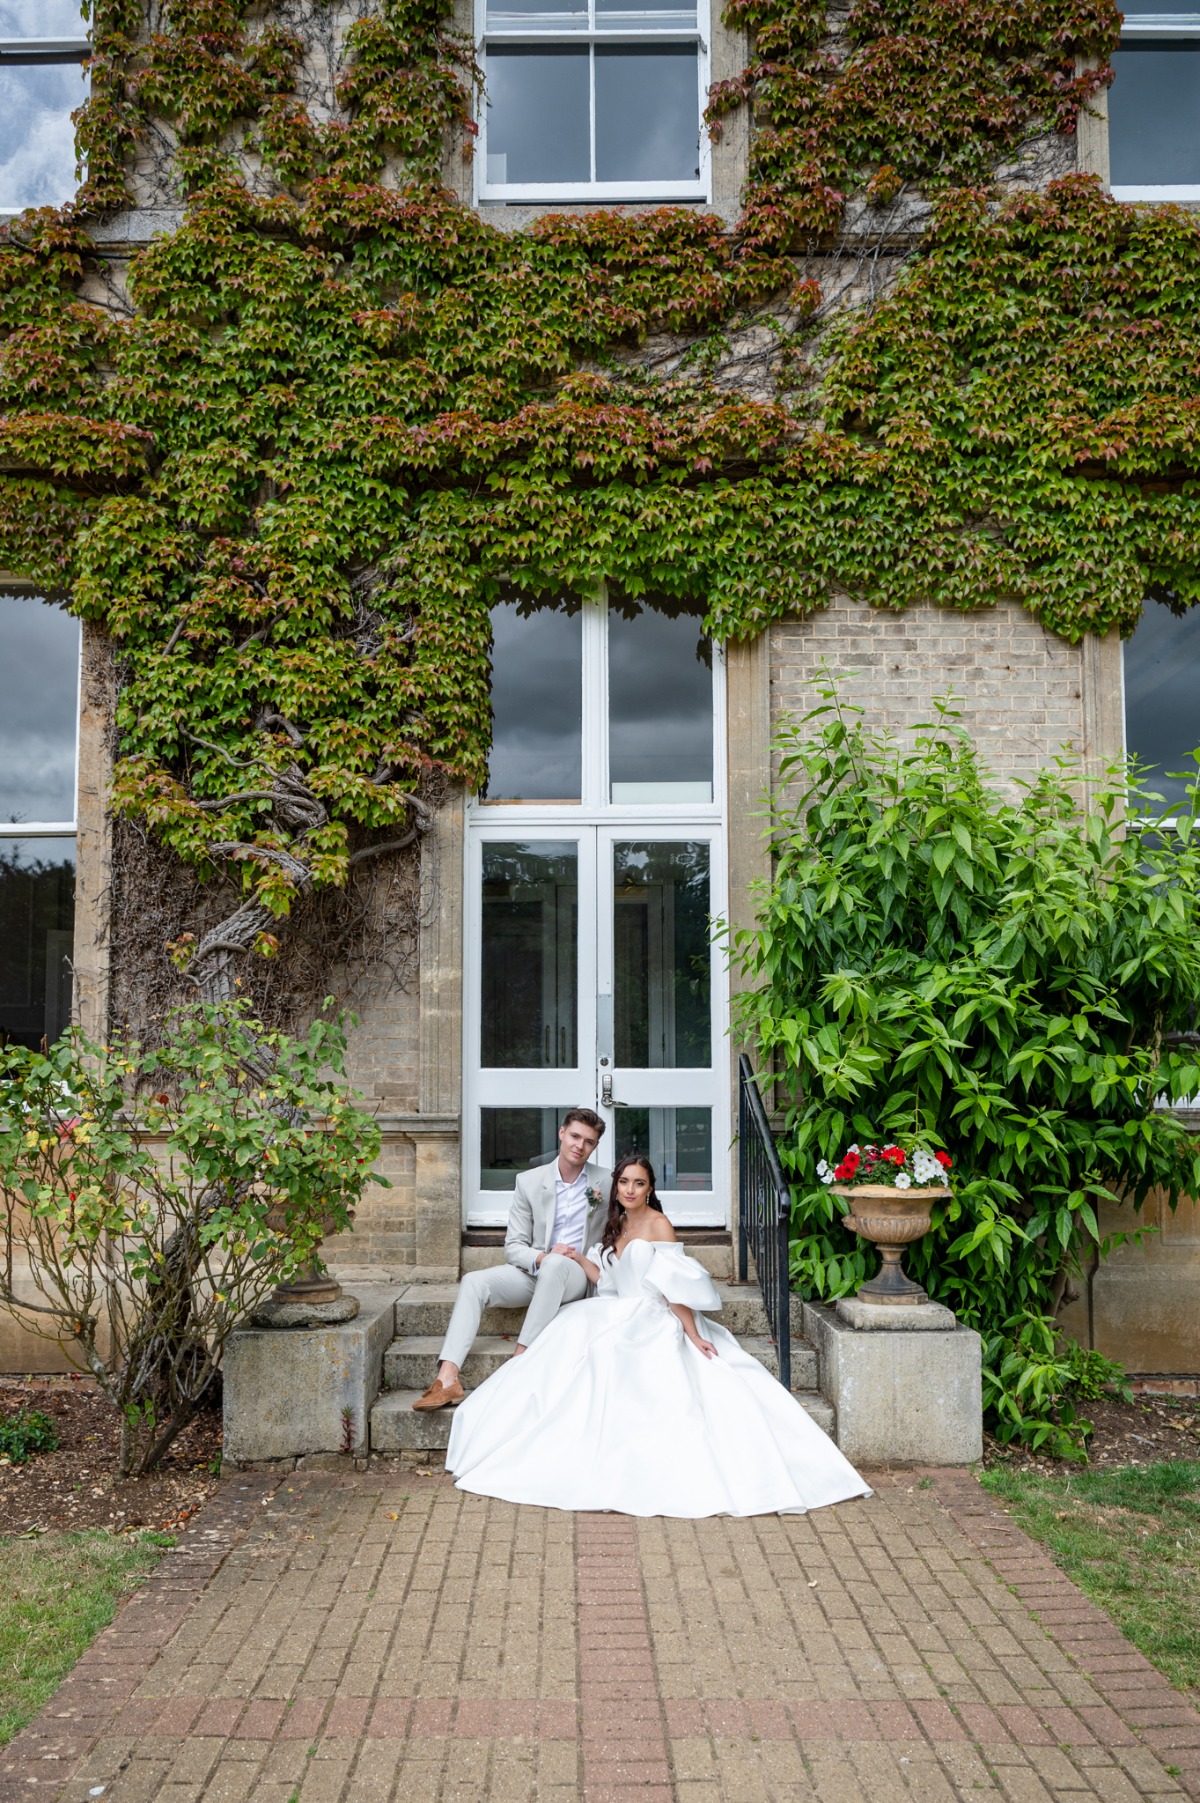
(764, 1215)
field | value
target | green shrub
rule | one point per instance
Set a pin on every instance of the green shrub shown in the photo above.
(27, 1433)
(1000, 974)
(154, 1197)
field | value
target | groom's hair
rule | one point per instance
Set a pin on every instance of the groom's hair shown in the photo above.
(586, 1117)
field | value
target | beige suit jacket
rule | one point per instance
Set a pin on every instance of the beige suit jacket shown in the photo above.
(531, 1218)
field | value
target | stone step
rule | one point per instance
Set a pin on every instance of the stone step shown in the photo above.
(424, 1308)
(397, 1427)
(409, 1364)
(716, 1259)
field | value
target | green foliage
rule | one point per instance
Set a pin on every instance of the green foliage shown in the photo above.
(149, 1228)
(58, 1593)
(1032, 1380)
(25, 1433)
(1092, 1376)
(925, 91)
(1130, 1538)
(293, 480)
(996, 975)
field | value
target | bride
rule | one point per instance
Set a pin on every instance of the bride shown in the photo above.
(639, 1404)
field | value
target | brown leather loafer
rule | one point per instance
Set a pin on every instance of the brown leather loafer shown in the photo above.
(440, 1395)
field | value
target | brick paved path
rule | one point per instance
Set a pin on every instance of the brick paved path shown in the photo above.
(342, 1639)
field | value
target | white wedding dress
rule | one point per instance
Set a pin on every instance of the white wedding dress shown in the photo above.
(613, 1408)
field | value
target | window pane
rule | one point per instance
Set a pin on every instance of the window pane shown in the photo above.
(643, 15)
(537, 701)
(662, 960)
(537, 120)
(677, 1141)
(37, 138)
(1154, 114)
(537, 15)
(42, 19)
(37, 912)
(39, 689)
(513, 1140)
(647, 114)
(530, 914)
(660, 701)
(1162, 698)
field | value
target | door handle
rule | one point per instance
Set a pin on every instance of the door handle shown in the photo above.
(606, 1094)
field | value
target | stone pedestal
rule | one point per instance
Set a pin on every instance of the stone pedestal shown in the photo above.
(286, 1388)
(905, 1383)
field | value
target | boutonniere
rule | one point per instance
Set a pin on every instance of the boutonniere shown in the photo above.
(594, 1196)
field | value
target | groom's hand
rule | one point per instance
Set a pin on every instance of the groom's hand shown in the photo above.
(565, 1251)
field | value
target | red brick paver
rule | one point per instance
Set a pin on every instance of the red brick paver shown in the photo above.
(383, 1637)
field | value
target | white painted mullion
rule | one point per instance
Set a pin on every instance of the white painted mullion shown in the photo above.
(592, 106)
(595, 700)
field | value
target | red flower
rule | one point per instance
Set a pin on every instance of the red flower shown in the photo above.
(893, 1154)
(844, 1171)
(944, 1159)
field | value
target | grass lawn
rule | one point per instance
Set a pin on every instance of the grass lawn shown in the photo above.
(56, 1595)
(1130, 1538)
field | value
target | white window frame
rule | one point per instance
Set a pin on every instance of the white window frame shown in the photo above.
(590, 37)
(596, 821)
(14, 830)
(1150, 26)
(35, 52)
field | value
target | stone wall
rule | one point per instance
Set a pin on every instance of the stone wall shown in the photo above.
(1142, 1307)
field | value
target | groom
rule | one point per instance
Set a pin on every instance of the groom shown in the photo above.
(558, 1208)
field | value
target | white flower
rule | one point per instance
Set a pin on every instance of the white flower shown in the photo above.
(903, 1180)
(855, 1148)
(822, 1168)
(926, 1167)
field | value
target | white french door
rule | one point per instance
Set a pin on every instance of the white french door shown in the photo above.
(591, 975)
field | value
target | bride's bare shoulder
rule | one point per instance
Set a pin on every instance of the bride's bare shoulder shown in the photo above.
(661, 1231)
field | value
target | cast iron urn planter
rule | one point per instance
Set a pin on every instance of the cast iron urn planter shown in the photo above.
(891, 1219)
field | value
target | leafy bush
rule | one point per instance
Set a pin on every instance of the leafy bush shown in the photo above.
(1004, 976)
(26, 1433)
(152, 1198)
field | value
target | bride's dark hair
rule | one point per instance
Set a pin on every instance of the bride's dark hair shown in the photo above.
(616, 1208)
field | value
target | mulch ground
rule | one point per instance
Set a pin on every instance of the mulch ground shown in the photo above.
(1140, 1432)
(75, 1486)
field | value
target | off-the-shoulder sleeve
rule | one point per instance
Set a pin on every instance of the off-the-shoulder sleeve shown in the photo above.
(678, 1278)
(608, 1278)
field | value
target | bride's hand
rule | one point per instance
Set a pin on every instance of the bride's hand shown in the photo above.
(704, 1346)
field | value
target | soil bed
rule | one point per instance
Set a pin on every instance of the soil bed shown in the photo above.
(75, 1486)
(1141, 1432)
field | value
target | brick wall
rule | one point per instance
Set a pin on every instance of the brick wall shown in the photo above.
(1021, 688)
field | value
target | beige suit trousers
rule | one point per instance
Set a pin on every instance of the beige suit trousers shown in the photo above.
(559, 1280)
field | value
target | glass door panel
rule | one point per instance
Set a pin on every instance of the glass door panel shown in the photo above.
(531, 990)
(530, 955)
(662, 978)
(677, 1141)
(513, 1140)
(657, 988)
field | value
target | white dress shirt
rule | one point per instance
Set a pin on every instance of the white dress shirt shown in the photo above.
(570, 1210)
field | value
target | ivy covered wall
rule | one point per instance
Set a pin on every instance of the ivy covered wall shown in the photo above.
(286, 453)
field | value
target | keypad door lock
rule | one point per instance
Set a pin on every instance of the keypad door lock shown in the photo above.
(606, 1094)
